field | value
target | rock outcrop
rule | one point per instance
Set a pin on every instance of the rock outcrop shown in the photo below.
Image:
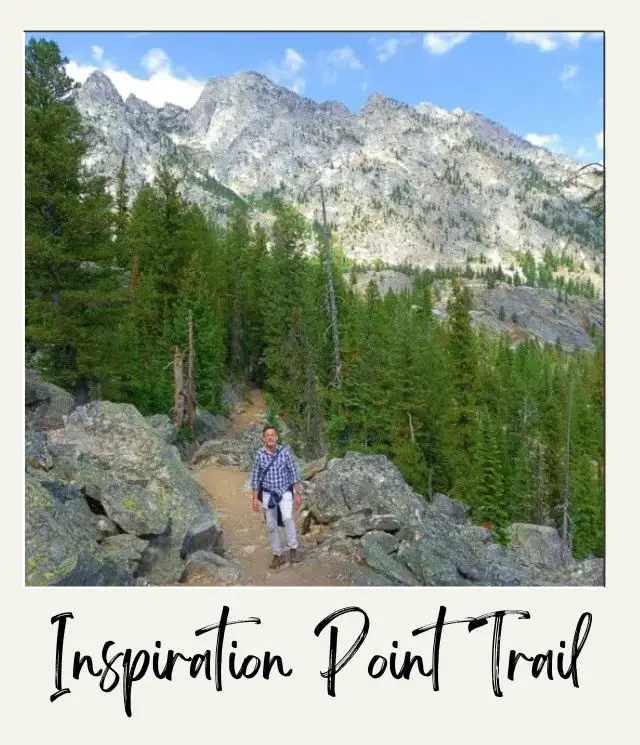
(361, 506)
(109, 501)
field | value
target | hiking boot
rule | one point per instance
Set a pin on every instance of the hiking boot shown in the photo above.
(294, 555)
(276, 562)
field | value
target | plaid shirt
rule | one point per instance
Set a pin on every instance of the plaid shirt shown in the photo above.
(282, 474)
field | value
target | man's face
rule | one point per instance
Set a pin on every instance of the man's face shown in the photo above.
(270, 438)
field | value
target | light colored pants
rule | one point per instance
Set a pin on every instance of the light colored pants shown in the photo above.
(286, 508)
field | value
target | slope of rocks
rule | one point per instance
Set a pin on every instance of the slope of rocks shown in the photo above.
(108, 501)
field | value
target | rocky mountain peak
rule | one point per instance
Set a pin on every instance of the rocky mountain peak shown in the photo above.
(98, 88)
(133, 102)
(380, 102)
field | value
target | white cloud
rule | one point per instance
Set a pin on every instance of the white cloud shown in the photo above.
(600, 139)
(570, 71)
(162, 86)
(344, 58)
(385, 50)
(156, 60)
(443, 43)
(97, 53)
(388, 48)
(552, 142)
(581, 152)
(548, 41)
(79, 72)
(287, 72)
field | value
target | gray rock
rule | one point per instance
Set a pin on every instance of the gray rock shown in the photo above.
(456, 511)
(309, 470)
(378, 559)
(538, 311)
(358, 482)
(387, 542)
(251, 438)
(164, 428)
(210, 568)
(46, 404)
(124, 550)
(133, 508)
(116, 439)
(225, 451)
(231, 396)
(60, 541)
(386, 280)
(538, 545)
(36, 452)
(367, 578)
(357, 524)
(431, 565)
(206, 536)
(105, 526)
(209, 426)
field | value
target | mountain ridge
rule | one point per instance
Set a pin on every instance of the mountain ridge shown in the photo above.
(415, 184)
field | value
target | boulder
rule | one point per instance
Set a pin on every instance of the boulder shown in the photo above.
(206, 536)
(538, 545)
(46, 404)
(387, 542)
(136, 477)
(455, 510)
(380, 561)
(358, 482)
(61, 546)
(430, 565)
(206, 567)
(357, 524)
(124, 550)
(133, 508)
(164, 428)
(36, 451)
(209, 426)
(309, 470)
(224, 451)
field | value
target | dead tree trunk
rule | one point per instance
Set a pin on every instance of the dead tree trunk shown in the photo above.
(191, 383)
(178, 388)
(331, 297)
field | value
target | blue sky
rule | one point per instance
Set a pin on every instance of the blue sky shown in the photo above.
(546, 87)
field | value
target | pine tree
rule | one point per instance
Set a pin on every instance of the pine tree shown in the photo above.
(121, 198)
(463, 363)
(488, 501)
(74, 297)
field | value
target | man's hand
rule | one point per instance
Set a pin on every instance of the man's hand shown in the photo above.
(255, 502)
(297, 499)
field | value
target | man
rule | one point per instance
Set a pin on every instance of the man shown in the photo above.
(275, 484)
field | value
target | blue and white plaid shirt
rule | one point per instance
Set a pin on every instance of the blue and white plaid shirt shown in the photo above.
(282, 474)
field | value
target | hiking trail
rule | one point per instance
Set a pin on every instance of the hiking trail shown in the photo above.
(245, 536)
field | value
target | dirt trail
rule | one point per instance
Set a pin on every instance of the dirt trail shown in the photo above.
(245, 536)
